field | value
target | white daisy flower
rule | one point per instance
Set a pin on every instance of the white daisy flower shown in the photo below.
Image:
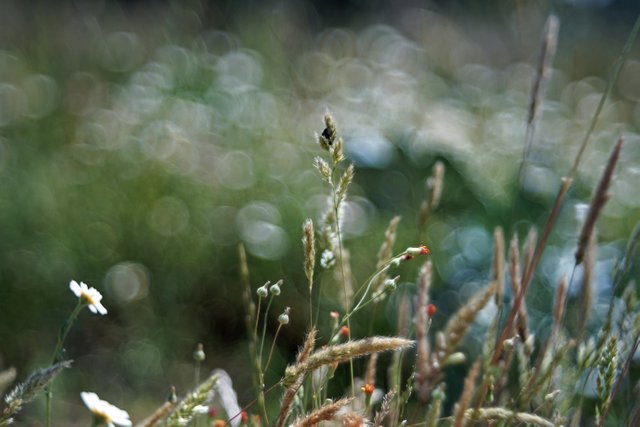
(90, 295)
(105, 411)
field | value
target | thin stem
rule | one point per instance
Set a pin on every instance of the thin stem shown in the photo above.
(255, 329)
(197, 373)
(264, 328)
(273, 344)
(57, 355)
(344, 279)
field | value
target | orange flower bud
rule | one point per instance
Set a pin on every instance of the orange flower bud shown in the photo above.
(344, 332)
(368, 389)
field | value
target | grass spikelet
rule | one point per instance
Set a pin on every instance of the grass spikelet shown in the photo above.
(585, 296)
(343, 184)
(291, 390)
(308, 241)
(558, 313)
(185, 409)
(498, 264)
(384, 255)
(324, 413)
(323, 169)
(353, 419)
(623, 267)
(342, 352)
(514, 274)
(607, 366)
(26, 391)
(600, 197)
(344, 275)
(547, 53)
(434, 193)
(503, 414)
(459, 323)
(422, 385)
(385, 408)
(435, 408)
(467, 394)
(309, 245)
(158, 415)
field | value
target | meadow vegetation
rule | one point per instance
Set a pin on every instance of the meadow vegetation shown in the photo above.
(390, 226)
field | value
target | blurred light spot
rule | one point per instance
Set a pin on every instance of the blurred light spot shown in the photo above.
(355, 77)
(41, 92)
(83, 93)
(315, 71)
(540, 181)
(121, 51)
(158, 140)
(168, 216)
(235, 170)
(180, 61)
(370, 149)
(239, 70)
(475, 243)
(357, 214)
(264, 240)
(257, 223)
(285, 158)
(261, 211)
(13, 104)
(337, 43)
(128, 281)
(11, 67)
(216, 42)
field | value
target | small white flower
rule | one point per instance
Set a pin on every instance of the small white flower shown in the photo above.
(105, 411)
(200, 409)
(90, 295)
(328, 259)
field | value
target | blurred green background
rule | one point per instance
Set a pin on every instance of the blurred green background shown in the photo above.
(141, 142)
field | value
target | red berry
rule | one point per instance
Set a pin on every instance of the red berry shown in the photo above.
(431, 310)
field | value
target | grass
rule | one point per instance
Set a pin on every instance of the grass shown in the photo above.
(417, 369)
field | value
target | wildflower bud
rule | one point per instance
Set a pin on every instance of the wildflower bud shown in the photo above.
(213, 412)
(431, 310)
(437, 394)
(275, 289)
(551, 396)
(244, 417)
(263, 291)
(283, 319)
(344, 332)
(199, 355)
(368, 389)
(457, 358)
(390, 284)
(420, 250)
(219, 423)
(172, 398)
(334, 315)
